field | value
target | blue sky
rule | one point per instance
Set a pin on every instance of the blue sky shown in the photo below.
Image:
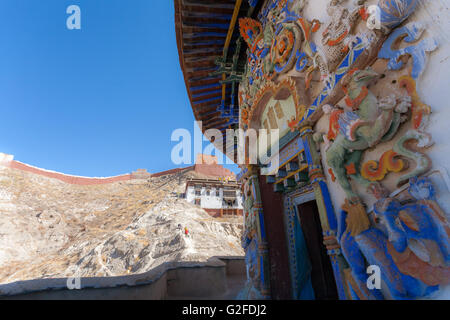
(99, 101)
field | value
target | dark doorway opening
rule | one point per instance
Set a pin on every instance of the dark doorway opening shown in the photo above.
(322, 276)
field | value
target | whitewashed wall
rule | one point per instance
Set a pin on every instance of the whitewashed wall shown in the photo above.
(433, 88)
(212, 201)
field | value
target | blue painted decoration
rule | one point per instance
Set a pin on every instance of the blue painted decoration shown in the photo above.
(418, 51)
(355, 51)
(394, 12)
(410, 245)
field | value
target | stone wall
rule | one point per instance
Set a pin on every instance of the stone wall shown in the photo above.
(181, 280)
(212, 169)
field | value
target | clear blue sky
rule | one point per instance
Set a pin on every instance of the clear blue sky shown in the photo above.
(99, 101)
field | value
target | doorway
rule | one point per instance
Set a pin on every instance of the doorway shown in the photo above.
(322, 277)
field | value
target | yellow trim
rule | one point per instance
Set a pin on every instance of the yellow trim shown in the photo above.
(289, 160)
(293, 174)
(237, 8)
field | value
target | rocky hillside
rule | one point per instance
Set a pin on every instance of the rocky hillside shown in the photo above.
(51, 229)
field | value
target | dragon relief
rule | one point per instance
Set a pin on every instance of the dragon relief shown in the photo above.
(364, 123)
(411, 241)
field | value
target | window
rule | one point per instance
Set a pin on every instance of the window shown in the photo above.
(217, 193)
(208, 193)
(197, 202)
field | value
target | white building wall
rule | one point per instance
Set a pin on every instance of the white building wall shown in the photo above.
(190, 195)
(212, 201)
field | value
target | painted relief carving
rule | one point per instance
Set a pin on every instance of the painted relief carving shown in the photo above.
(418, 234)
(273, 90)
(366, 122)
(407, 236)
(394, 12)
(337, 35)
(377, 171)
(404, 148)
(387, 14)
(250, 245)
(410, 244)
(410, 33)
(277, 46)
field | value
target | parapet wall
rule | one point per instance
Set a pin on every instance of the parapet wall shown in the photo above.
(170, 280)
(83, 181)
(205, 169)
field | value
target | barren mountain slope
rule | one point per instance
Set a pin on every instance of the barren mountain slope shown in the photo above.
(52, 229)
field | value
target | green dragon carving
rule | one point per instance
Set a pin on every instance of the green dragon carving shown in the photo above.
(370, 122)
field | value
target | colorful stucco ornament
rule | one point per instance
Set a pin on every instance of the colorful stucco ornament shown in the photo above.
(250, 245)
(370, 122)
(410, 243)
(337, 36)
(399, 158)
(420, 111)
(377, 171)
(394, 12)
(418, 50)
(418, 234)
(277, 46)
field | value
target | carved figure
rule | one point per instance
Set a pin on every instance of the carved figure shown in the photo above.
(369, 122)
(337, 36)
(418, 234)
(371, 247)
(411, 245)
(250, 245)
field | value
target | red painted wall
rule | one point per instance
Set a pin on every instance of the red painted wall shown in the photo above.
(280, 280)
(83, 181)
(216, 213)
(213, 170)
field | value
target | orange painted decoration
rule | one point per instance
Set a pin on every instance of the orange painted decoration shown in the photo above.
(364, 14)
(306, 28)
(335, 42)
(333, 129)
(418, 108)
(409, 264)
(351, 169)
(377, 171)
(354, 103)
(292, 124)
(333, 177)
(315, 25)
(244, 116)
